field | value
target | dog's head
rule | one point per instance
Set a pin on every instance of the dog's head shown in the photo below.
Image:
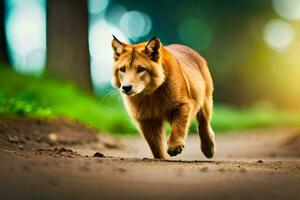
(137, 68)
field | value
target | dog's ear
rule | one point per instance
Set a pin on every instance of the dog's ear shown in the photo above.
(118, 47)
(153, 49)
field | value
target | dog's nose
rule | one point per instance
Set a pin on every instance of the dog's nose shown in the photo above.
(126, 88)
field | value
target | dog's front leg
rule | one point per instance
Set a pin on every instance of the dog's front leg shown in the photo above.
(180, 123)
(154, 134)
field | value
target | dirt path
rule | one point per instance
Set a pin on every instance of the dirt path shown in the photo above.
(54, 159)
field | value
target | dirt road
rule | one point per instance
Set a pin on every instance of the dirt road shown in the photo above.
(55, 159)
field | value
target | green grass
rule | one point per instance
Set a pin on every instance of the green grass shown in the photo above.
(228, 118)
(33, 96)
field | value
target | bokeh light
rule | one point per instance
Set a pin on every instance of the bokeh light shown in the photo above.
(97, 6)
(135, 24)
(103, 23)
(289, 9)
(26, 34)
(195, 33)
(100, 37)
(114, 14)
(278, 34)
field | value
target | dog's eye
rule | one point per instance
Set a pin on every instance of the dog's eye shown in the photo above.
(140, 69)
(122, 69)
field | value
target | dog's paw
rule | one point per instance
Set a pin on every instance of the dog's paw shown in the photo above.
(208, 148)
(174, 151)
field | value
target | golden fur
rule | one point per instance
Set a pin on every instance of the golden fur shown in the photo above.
(169, 83)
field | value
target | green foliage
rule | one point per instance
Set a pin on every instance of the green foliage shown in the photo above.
(32, 96)
(229, 118)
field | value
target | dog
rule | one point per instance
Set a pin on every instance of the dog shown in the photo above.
(165, 83)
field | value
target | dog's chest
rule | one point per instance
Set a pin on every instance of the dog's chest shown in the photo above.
(149, 107)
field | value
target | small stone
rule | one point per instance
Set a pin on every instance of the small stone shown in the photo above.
(111, 146)
(52, 138)
(99, 155)
(13, 139)
(21, 148)
(259, 161)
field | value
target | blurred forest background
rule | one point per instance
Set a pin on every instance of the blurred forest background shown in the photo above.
(56, 57)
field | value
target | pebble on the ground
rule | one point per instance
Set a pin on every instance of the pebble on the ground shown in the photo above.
(98, 155)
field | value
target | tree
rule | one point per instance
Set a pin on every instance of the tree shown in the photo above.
(3, 43)
(67, 41)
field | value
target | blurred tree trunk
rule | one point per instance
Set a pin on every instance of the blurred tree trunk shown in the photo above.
(67, 41)
(3, 43)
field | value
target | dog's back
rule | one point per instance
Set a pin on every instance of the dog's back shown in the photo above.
(193, 66)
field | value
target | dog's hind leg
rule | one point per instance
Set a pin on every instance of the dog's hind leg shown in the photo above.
(205, 131)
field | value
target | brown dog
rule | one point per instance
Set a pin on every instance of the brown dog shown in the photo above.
(165, 83)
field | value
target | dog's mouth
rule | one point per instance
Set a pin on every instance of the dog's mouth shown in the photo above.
(132, 92)
(129, 93)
